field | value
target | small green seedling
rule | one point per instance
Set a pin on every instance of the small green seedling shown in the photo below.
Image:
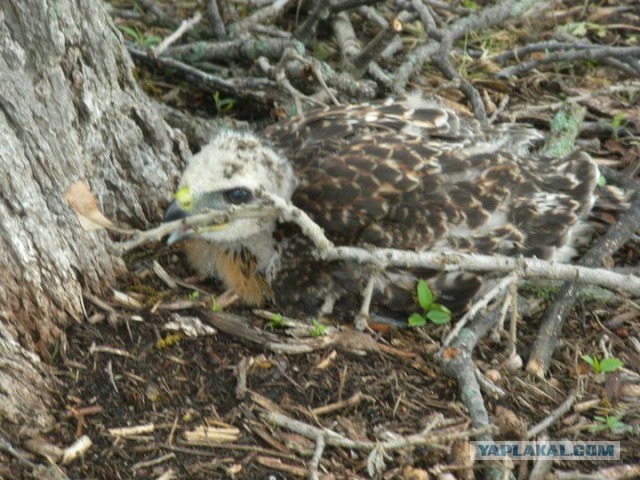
(223, 105)
(276, 321)
(318, 329)
(470, 4)
(140, 39)
(215, 306)
(434, 312)
(610, 423)
(193, 296)
(606, 365)
(616, 122)
(321, 51)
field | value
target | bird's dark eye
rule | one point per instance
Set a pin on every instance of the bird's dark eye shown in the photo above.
(238, 195)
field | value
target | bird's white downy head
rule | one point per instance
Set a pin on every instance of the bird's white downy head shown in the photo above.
(233, 170)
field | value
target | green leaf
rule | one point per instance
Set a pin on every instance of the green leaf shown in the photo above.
(425, 297)
(470, 4)
(597, 428)
(438, 316)
(276, 321)
(416, 320)
(150, 40)
(321, 52)
(132, 32)
(602, 181)
(610, 364)
(442, 308)
(616, 121)
(616, 424)
(587, 359)
(318, 329)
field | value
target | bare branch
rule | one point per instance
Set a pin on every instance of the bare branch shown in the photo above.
(217, 24)
(596, 52)
(426, 438)
(264, 15)
(457, 362)
(520, 266)
(374, 48)
(213, 217)
(246, 87)
(243, 49)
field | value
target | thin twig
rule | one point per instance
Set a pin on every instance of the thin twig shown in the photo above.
(7, 447)
(362, 318)
(352, 401)
(317, 456)
(479, 305)
(208, 218)
(553, 416)
(425, 438)
(596, 52)
(184, 27)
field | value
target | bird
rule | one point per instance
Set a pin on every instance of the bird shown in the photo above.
(408, 173)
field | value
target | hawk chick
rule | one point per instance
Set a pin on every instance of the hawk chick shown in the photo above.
(407, 174)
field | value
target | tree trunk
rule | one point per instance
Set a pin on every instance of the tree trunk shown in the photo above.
(70, 110)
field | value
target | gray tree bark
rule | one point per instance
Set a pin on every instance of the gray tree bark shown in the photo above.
(70, 110)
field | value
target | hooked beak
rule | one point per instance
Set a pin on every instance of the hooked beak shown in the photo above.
(174, 212)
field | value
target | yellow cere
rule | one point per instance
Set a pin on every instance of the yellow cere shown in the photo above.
(184, 198)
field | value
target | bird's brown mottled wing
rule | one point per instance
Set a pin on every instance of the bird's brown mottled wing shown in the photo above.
(390, 175)
(393, 176)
